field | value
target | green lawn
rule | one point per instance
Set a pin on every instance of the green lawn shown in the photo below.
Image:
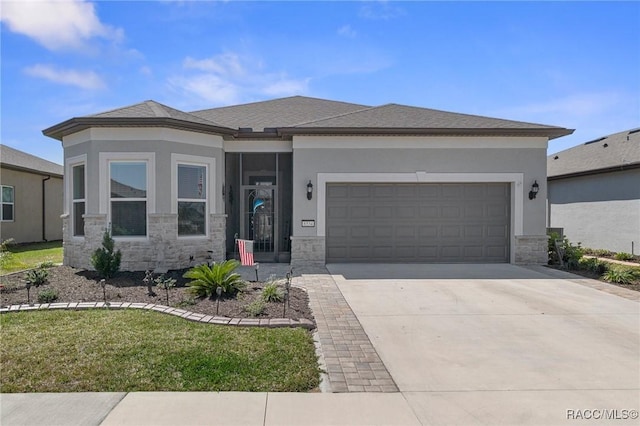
(27, 256)
(127, 350)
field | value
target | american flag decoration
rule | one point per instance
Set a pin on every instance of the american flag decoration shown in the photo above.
(246, 252)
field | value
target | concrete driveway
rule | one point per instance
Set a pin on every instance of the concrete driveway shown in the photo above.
(499, 344)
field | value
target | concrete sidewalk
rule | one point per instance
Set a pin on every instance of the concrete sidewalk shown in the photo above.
(206, 408)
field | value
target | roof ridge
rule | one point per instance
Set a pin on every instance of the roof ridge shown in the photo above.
(274, 100)
(335, 116)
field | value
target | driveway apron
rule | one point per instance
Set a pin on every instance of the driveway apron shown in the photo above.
(498, 344)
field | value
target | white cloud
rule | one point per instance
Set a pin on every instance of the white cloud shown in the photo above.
(232, 78)
(581, 104)
(347, 31)
(380, 10)
(83, 79)
(57, 24)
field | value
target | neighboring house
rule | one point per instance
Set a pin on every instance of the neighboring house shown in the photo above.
(594, 192)
(310, 181)
(31, 197)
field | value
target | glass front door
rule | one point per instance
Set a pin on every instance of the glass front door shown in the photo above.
(260, 219)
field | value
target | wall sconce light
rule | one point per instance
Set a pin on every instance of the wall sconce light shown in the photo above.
(534, 190)
(309, 190)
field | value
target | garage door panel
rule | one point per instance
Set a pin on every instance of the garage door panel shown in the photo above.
(360, 191)
(383, 212)
(383, 191)
(450, 212)
(380, 232)
(418, 222)
(406, 212)
(428, 212)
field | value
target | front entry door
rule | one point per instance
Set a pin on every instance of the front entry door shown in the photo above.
(259, 207)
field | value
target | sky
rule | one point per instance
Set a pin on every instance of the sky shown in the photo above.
(569, 64)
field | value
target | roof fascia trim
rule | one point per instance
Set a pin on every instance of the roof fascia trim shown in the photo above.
(610, 169)
(78, 124)
(551, 133)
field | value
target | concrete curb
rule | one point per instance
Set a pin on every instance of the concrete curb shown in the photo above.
(189, 316)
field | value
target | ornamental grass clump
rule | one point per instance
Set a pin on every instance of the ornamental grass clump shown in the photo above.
(205, 279)
(272, 293)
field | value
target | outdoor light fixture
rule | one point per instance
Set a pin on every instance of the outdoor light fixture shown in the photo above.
(534, 190)
(309, 190)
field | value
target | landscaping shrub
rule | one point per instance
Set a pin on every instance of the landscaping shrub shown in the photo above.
(46, 264)
(619, 275)
(623, 256)
(5, 254)
(594, 265)
(37, 277)
(47, 296)
(571, 254)
(255, 308)
(205, 279)
(272, 293)
(105, 260)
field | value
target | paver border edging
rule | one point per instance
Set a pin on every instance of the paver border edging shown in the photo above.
(187, 315)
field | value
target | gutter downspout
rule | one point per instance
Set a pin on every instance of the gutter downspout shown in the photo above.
(44, 209)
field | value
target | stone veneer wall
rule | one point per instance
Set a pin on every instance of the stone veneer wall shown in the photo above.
(531, 249)
(307, 251)
(162, 251)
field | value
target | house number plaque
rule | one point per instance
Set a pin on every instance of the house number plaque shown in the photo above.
(306, 223)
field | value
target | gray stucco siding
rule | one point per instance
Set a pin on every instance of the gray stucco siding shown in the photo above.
(531, 162)
(163, 151)
(601, 211)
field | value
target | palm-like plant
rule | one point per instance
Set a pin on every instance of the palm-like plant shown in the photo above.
(205, 279)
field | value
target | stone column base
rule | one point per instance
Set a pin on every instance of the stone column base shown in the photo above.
(307, 251)
(531, 249)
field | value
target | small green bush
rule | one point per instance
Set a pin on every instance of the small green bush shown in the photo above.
(272, 293)
(594, 265)
(105, 260)
(623, 256)
(601, 252)
(255, 308)
(571, 254)
(619, 275)
(37, 277)
(46, 264)
(5, 254)
(47, 296)
(205, 279)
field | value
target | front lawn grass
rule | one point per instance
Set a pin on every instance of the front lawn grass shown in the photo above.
(27, 256)
(127, 350)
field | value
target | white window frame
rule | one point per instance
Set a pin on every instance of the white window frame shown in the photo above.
(106, 158)
(193, 160)
(13, 203)
(70, 163)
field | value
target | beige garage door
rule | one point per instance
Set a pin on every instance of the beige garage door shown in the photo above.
(425, 223)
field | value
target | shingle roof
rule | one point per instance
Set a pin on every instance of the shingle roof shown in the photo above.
(408, 117)
(283, 112)
(152, 109)
(21, 160)
(614, 151)
(304, 115)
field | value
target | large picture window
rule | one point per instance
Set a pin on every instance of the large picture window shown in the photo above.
(128, 198)
(8, 206)
(79, 199)
(192, 199)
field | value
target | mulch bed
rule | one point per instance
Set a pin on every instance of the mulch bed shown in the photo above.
(74, 285)
(588, 274)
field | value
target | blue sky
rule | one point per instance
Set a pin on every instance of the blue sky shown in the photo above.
(571, 64)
